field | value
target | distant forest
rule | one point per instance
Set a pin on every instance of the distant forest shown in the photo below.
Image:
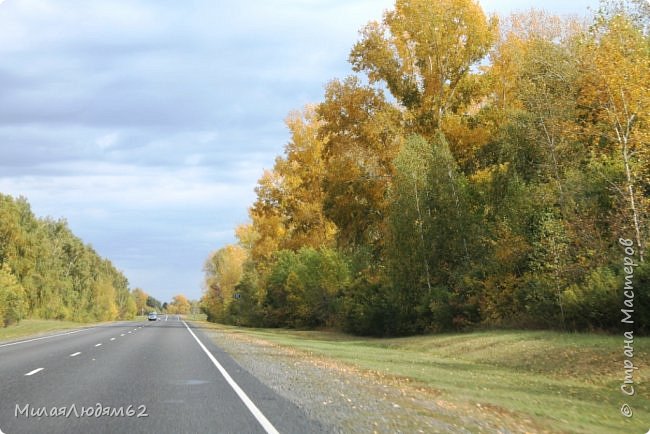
(47, 272)
(474, 172)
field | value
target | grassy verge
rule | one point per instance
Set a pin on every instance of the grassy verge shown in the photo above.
(194, 317)
(35, 327)
(562, 382)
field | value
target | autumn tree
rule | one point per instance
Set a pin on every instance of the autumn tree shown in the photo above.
(267, 216)
(469, 175)
(223, 271)
(288, 212)
(246, 236)
(140, 298)
(302, 172)
(62, 277)
(616, 98)
(361, 134)
(424, 52)
(179, 305)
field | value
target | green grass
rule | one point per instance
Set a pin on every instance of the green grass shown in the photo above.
(194, 317)
(562, 382)
(35, 327)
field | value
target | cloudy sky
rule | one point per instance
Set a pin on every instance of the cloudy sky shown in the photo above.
(146, 123)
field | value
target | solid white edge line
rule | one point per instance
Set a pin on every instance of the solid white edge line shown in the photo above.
(75, 354)
(34, 372)
(43, 337)
(268, 427)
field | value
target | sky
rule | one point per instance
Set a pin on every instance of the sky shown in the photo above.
(147, 123)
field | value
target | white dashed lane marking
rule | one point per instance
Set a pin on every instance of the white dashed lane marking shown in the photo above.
(34, 372)
(75, 354)
(44, 337)
(98, 345)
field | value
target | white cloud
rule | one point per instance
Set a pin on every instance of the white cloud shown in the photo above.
(107, 140)
(129, 187)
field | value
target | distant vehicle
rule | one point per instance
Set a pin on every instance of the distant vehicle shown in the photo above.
(153, 316)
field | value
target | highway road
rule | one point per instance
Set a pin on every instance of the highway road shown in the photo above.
(143, 377)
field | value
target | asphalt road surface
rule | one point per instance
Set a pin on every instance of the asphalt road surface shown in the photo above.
(142, 377)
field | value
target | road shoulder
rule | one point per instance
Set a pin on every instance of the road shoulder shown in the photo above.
(348, 399)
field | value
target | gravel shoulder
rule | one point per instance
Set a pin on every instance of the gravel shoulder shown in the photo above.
(351, 400)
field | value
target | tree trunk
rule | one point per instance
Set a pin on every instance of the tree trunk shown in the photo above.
(623, 135)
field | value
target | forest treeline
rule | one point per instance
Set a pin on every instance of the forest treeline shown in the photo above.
(48, 272)
(474, 172)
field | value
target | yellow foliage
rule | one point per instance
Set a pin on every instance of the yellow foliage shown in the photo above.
(288, 212)
(423, 51)
(486, 175)
(180, 305)
(464, 140)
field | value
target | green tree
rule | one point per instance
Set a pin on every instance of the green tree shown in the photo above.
(431, 226)
(12, 297)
